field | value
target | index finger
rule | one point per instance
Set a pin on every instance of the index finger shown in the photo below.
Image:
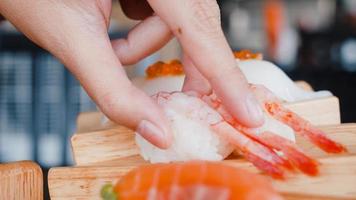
(196, 24)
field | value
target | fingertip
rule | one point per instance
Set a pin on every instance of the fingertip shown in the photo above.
(252, 117)
(168, 136)
(232, 88)
(253, 122)
(197, 85)
(157, 117)
(132, 108)
(255, 114)
(154, 134)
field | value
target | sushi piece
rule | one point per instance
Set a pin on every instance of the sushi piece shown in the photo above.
(193, 138)
(261, 72)
(195, 180)
(169, 77)
(204, 129)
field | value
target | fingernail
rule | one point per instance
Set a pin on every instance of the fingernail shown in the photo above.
(152, 133)
(254, 109)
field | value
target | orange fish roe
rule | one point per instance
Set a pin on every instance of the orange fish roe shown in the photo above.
(247, 54)
(174, 67)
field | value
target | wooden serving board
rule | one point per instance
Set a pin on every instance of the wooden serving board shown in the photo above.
(104, 156)
(21, 180)
(117, 144)
(337, 180)
(323, 111)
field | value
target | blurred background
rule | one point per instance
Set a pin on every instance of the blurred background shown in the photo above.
(311, 40)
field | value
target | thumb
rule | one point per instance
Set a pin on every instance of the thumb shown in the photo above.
(94, 63)
(129, 106)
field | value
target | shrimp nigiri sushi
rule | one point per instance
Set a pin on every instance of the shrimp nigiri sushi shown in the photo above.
(204, 129)
(195, 180)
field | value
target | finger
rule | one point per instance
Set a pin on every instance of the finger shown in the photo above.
(76, 33)
(197, 26)
(101, 74)
(126, 105)
(136, 9)
(194, 81)
(144, 39)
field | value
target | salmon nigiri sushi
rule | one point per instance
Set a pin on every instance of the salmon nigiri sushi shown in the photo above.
(194, 180)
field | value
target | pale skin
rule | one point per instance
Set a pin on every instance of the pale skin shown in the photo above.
(75, 31)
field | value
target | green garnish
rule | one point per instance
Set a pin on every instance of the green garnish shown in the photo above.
(107, 192)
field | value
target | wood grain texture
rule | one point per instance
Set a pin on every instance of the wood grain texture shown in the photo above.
(91, 121)
(343, 133)
(323, 111)
(337, 180)
(21, 180)
(101, 146)
(118, 144)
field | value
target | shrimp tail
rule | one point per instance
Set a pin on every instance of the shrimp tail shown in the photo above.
(304, 128)
(291, 151)
(265, 159)
(267, 167)
(262, 157)
(321, 140)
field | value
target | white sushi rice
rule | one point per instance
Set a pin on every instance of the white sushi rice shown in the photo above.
(192, 137)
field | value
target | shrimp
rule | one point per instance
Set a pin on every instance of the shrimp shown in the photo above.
(192, 107)
(273, 107)
(268, 151)
(194, 180)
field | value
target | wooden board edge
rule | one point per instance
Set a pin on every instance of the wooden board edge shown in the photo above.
(113, 173)
(330, 107)
(26, 178)
(104, 141)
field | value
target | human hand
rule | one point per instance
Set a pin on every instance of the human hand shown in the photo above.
(76, 33)
(208, 60)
